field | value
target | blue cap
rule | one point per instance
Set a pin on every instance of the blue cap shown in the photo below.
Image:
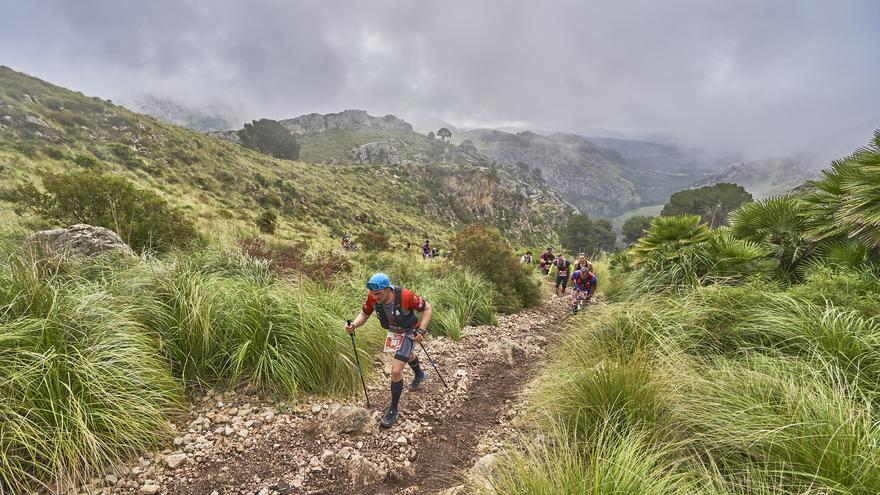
(379, 281)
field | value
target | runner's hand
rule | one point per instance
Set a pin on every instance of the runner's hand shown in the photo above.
(417, 338)
(349, 329)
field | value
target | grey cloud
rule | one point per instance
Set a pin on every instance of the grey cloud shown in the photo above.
(753, 75)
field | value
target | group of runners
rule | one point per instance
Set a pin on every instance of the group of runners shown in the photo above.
(580, 274)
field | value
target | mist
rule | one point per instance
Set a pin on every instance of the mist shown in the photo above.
(756, 78)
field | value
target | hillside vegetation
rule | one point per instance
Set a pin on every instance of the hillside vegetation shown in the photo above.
(44, 128)
(734, 360)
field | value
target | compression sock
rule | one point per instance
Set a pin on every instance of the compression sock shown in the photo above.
(416, 366)
(396, 390)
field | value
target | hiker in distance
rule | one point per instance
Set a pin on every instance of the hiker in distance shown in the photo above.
(396, 309)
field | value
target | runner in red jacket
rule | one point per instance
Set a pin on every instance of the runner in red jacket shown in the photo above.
(396, 309)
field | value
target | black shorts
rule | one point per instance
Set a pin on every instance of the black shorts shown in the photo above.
(563, 281)
(407, 347)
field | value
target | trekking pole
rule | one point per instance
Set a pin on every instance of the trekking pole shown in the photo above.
(434, 365)
(358, 360)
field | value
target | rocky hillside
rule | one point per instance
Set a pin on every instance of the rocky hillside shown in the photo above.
(45, 128)
(349, 120)
(601, 179)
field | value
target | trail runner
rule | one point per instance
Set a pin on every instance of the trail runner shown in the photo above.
(562, 267)
(546, 260)
(396, 309)
(582, 262)
(585, 283)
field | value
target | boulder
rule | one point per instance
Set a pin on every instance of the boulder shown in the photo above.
(175, 459)
(149, 489)
(508, 350)
(80, 240)
(349, 419)
(480, 473)
(363, 472)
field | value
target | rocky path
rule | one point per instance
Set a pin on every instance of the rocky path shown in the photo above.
(234, 444)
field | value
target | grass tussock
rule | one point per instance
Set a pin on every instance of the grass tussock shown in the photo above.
(96, 356)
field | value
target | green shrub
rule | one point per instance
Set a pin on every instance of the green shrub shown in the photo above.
(222, 327)
(267, 222)
(485, 252)
(86, 161)
(461, 298)
(141, 217)
(374, 241)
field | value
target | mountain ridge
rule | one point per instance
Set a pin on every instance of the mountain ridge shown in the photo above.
(48, 129)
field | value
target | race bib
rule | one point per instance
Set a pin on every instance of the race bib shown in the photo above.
(393, 341)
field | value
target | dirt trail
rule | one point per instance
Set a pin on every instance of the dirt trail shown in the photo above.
(238, 445)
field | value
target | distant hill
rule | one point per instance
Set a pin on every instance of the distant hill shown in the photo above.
(46, 128)
(603, 177)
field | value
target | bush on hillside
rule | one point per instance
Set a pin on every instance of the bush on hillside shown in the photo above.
(141, 217)
(488, 254)
(844, 203)
(267, 222)
(269, 137)
(294, 258)
(374, 241)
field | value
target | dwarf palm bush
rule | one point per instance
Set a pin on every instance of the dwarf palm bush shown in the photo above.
(845, 202)
(778, 223)
(669, 238)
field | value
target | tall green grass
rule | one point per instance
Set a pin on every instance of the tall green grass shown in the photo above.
(746, 388)
(614, 464)
(83, 385)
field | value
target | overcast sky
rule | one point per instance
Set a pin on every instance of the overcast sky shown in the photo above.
(758, 75)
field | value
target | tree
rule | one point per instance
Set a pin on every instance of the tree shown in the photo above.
(267, 222)
(142, 218)
(270, 137)
(444, 133)
(537, 175)
(712, 203)
(635, 227)
(580, 234)
(431, 135)
(468, 146)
